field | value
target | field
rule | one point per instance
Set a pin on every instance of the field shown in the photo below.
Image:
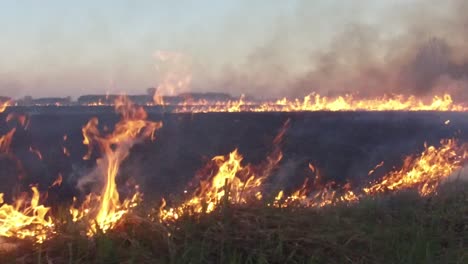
(344, 146)
(401, 228)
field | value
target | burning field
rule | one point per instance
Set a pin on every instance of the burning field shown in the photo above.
(310, 180)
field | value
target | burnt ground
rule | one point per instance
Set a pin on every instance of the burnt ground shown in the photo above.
(342, 145)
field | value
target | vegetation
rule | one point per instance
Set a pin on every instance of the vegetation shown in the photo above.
(397, 228)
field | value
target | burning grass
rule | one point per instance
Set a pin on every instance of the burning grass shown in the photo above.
(228, 218)
(396, 228)
(317, 102)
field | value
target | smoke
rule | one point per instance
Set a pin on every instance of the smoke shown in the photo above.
(413, 48)
(265, 49)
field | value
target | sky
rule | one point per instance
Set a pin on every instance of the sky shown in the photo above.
(71, 48)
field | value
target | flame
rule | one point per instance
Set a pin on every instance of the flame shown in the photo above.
(375, 168)
(4, 105)
(233, 183)
(316, 102)
(229, 106)
(103, 211)
(23, 220)
(316, 196)
(5, 141)
(35, 152)
(57, 181)
(424, 172)
(229, 182)
(237, 184)
(23, 120)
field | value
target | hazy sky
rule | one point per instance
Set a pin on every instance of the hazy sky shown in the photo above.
(75, 47)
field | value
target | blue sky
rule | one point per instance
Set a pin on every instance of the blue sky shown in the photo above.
(76, 47)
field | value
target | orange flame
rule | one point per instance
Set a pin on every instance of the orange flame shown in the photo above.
(4, 105)
(231, 182)
(35, 152)
(423, 173)
(5, 141)
(105, 210)
(316, 102)
(57, 181)
(23, 220)
(426, 171)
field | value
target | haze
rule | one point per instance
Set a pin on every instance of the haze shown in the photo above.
(261, 48)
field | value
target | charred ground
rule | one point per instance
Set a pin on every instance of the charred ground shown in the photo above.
(344, 146)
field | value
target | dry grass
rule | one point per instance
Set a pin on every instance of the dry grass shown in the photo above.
(400, 228)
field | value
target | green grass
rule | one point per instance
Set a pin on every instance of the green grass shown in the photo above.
(399, 228)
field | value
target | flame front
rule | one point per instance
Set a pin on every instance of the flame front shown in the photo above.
(316, 102)
(103, 211)
(424, 173)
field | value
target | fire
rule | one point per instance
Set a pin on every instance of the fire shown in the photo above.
(234, 183)
(231, 182)
(5, 141)
(57, 181)
(103, 211)
(204, 106)
(35, 152)
(424, 172)
(316, 195)
(3, 106)
(316, 102)
(23, 220)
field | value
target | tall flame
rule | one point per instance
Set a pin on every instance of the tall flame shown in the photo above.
(104, 210)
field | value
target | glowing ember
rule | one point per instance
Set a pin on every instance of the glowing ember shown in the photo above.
(103, 211)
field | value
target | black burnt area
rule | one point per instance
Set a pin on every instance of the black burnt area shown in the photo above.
(342, 145)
